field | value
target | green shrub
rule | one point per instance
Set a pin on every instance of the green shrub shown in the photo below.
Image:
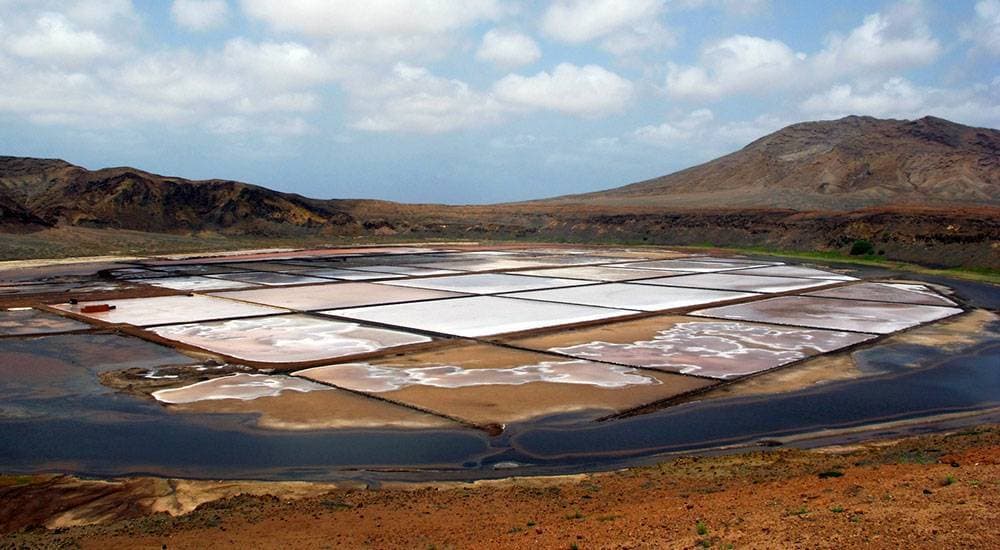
(861, 247)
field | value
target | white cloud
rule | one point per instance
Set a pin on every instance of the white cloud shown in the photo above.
(892, 97)
(200, 15)
(734, 65)
(106, 15)
(984, 29)
(326, 18)
(577, 21)
(895, 40)
(671, 133)
(882, 44)
(700, 133)
(55, 39)
(283, 66)
(640, 37)
(899, 98)
(411, 99)
(735, 7)
(508, 48)
(239, 125)
(588, 91)
(625, 26)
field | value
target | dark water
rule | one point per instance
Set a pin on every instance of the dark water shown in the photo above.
(54, 415)
(966, 382)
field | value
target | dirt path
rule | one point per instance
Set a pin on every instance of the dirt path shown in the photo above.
(940, 491)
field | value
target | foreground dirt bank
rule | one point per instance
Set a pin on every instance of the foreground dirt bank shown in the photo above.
(939, 491)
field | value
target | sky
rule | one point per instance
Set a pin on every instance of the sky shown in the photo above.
(469, 101)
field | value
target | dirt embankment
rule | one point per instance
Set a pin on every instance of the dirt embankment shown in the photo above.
(968, 237)
(937, 491)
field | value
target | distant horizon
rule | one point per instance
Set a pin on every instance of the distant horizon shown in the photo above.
(477, 102)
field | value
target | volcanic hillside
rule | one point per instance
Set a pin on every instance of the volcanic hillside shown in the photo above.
(926, 191)
(846, 164)
(47, 192)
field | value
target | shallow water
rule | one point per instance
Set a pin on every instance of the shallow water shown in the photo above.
(55, 415)
(103, 433)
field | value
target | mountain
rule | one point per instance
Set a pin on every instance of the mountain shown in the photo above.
(925, 191)
(50, 192)
(846, 164)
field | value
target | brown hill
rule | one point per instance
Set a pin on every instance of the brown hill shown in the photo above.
(926, 191)
(56, 193)
(846, 164)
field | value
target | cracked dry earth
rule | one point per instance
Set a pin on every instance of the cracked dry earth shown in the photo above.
(936, 491)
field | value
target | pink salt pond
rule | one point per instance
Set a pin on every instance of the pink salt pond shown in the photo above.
(366, 377)
(287, 338)
(242, 386)
(887, 292)
(163, 310)
(833, 313)
(335, 295)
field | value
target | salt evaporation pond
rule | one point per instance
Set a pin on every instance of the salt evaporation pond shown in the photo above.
(428, 412)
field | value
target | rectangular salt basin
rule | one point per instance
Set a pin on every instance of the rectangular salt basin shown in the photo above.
(731, 260)
(711, 348)
(632, 296)
(571, 260)
(197, 269)
(599, 273)
(479, 315)
(170, 309)
(694, 266)
(335, 295)
(405, 270)
(348, 274)
(833, 313)
(267, 266)
(483, 264)
(33, 321)
(737, 281)
(797, 271)
(486, 283)
(270, 279)
(193, 283)
(886, 292)
(484, 384)
(287, 338)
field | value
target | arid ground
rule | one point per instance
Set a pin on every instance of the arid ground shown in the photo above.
(935, 491)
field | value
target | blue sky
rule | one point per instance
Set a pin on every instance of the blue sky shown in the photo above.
(469, 101)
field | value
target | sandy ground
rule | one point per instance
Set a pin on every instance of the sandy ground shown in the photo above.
(321, 410)
(504, 404)
(937, 491)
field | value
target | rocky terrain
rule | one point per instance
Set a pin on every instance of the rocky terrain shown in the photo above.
(933, 491)
(925, 191)
(854, 162)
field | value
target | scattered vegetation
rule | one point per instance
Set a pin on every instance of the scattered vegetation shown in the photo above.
(830, 473)
(701, 528)
(948, 480)
(837, 509)
(800, 511)
(862, 247)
